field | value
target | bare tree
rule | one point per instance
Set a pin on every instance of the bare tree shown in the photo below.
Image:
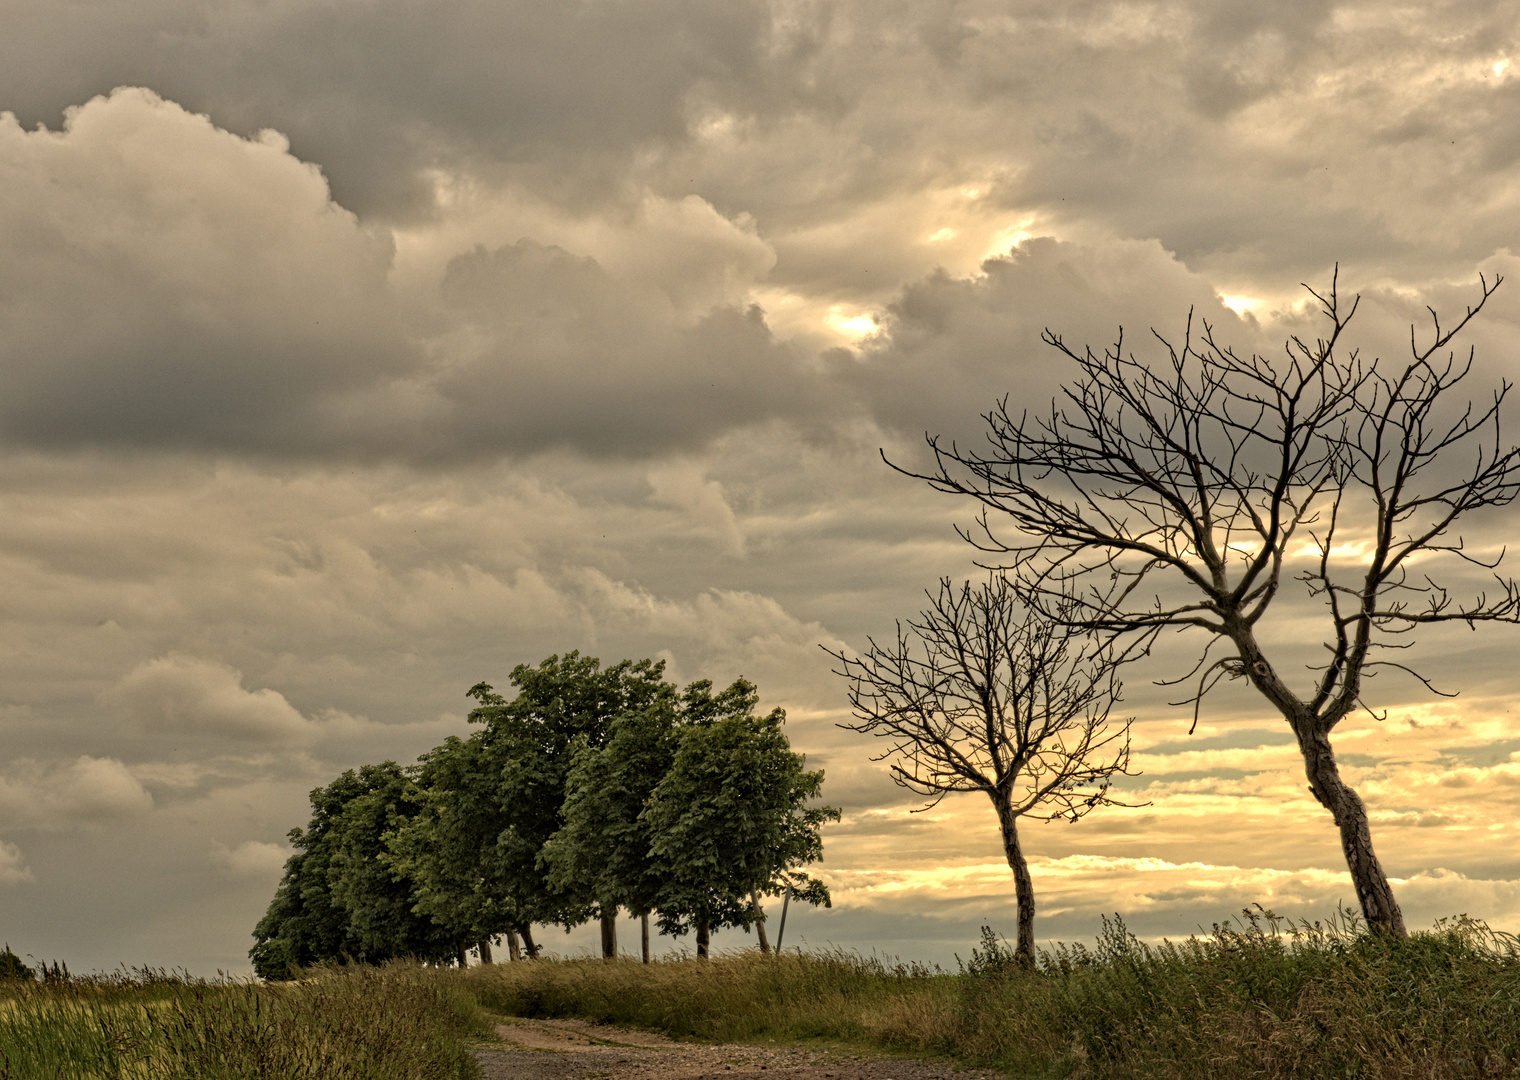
(981, 694)
(1181, 488)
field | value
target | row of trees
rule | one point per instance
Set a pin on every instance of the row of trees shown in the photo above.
(1189, 493)
(589, 790)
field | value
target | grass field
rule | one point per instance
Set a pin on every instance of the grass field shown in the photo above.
(1256, 999)
(401, 1022)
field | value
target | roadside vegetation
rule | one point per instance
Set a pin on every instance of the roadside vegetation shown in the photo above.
(1257, 998)
(398, 1022)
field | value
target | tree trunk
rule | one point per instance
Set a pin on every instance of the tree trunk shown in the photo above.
(702, 930)
(459, 954)
(1374, 893)
(754, 904)
(644, 935)
(485, 950)
(609, 932)
(527, 935)
(514, 946)
(1023, 886)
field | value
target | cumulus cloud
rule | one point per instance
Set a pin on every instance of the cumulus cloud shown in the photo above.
(254, 859)
(184, 694)
(171, 283)
(13, 870)
(174, 285)
(951, 346)
(56, 795)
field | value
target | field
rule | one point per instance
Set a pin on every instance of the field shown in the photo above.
(401, 1022)
(1254, 999)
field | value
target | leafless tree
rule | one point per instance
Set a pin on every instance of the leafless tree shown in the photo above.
(982, 694)
(1188, 488)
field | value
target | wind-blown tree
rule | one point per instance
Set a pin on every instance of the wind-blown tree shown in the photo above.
(497, 798)
(1194, 488)
(730, 820)
(982, 694)
(448, 846)
(605, 848)
(337, 899)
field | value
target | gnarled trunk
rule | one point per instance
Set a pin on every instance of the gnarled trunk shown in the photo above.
(1023, 885)
(609, 932)
(1373, 891)
(754, 904)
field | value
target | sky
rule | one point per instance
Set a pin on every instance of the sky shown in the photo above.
(353, 352)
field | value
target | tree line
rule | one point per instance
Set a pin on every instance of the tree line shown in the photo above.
(591, 789)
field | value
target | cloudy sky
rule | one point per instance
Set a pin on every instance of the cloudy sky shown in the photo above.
(354, 352)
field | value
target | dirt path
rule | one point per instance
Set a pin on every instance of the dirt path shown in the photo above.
(574, 1050)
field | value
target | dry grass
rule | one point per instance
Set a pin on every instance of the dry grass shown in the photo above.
(400, 1022)
(1257, 999)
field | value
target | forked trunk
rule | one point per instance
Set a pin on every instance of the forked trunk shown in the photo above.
(644, 935)
(609, 932)
(1373, 892)
(754, 904)
(1023, 886)
(702, 929)
(514, 946)
(485, 950)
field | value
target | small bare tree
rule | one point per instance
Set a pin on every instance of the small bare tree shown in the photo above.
(982, 694)
(1181, 486)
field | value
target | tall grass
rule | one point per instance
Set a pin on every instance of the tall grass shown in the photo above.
(349, 1023)
(1258, 998)
(742, 996)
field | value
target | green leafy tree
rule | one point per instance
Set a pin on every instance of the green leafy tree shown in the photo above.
(729, 820)
(604, 850)
(493, 802)
(337, 898)
(449, 846)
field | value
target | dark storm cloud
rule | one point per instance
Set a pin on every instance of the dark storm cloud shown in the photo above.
(952, 347)
(172, 285)
(566, 340)
(376, 92)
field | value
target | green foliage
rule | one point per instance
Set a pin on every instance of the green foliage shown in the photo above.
(400, 1022)
(448, 847)
(491, 803)
(12, 967)
(603, 850)
(590, 790)
(337, 899)
(730, 815)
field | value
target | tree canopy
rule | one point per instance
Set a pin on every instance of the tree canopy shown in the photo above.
(574, 798)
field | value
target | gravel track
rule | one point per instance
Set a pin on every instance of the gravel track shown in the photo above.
(575, 1050)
